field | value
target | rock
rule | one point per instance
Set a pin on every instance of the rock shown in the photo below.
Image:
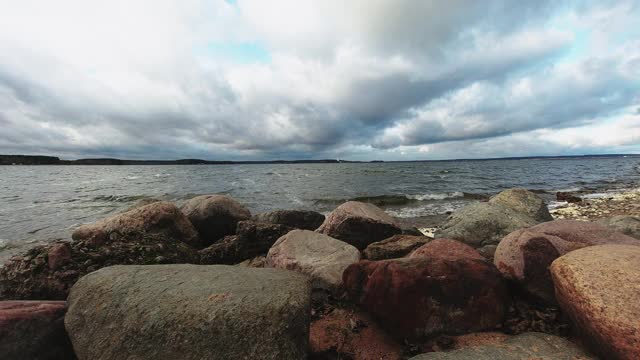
(251, 239)
(141, 203)
(524, 201)
(488, 251)
(256, 262)
(58, 255)
(351, 335)
(524, 256)
(33, 330)
(159, 218)
(214, 216)
(413, 231)
(359, 224)
(189, 312)
(626, 224)
(568, 197)
(522, 347)
(483, 224)
(31, 276)
(298, 219)
(417, 297)
(321, 257)
(598, 288)
(446, 249)
(394, 247)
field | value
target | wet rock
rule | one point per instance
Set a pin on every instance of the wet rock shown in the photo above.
(526, 346)
(417, 297)
(58, 255)
(598, 288)
(447, 249)
(31, 276)
(524, 201)
(33, 330)
(351, 335)
(359, 224)
(214, 216)
(524, 256)
(568, 197)
(251, 239)
(160, 218)
(298, 219)
(488, 251)
(626, 224)
(412, 231)
(189, 312)
(483, 224)
(394, 247)
(256, 262)
(321, 257)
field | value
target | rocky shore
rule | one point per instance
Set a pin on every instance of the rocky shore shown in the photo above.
(500, 279)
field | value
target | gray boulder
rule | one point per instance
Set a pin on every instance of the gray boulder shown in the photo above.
(214, 216)
(483, 224)
(359, 224)
(526, 346)
(321, 257)
(626, 224)
(524, 201)
(189, 312)
(299, 219)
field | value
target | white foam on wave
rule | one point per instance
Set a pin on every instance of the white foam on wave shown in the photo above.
(132, 177)
(436, 196)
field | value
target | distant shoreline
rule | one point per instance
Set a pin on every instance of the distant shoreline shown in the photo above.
(53, 160)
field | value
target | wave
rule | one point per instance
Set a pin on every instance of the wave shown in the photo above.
(404, 199)
(120, 198)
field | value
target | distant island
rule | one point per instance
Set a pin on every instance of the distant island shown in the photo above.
(53, 160)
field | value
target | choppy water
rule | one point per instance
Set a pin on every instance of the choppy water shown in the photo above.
(39, 203)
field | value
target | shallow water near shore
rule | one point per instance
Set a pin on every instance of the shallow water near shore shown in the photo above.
(41, 203)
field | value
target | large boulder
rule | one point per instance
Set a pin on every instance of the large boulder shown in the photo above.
(321, 257)
(47, 272)
(483, 224)
(214, 216)
(524, 256)
(394, 247)
(251, 239)
(523, 201)
(344, 334)
(522, 347)
(626, 224)
(447, 249)
(189, 312)
(598, 287)
(417, 297)
(160, 218)
(299, 219)
(34, 330)
(359, 224)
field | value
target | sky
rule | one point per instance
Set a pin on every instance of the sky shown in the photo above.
(303, 79)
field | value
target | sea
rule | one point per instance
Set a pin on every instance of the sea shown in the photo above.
(44, 203)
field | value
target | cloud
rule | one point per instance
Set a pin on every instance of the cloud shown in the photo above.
(361, 79)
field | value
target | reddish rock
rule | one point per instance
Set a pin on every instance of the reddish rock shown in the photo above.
(359, 224)
(159, 218)
(33, 330)
(599, 288)
(394, 247)
(421, 296)
(59, 254)
(524, 256)
(447, 249)
(352, 335)
(214, 216)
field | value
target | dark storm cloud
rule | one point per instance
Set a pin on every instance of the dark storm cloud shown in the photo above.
(378, 76)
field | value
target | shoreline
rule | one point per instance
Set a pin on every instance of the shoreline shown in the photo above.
(600, 206)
